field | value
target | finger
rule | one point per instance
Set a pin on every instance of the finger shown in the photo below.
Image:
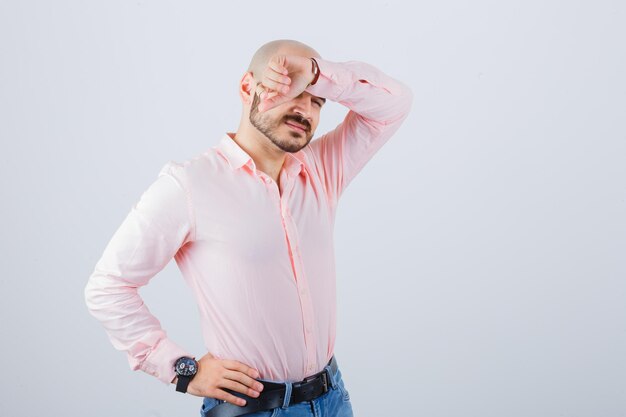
(278, 61)
(270, 94)
(241, 367)
(266, 93)
(277, 77)
(239, 387)
(270, 103)
(280, 80)
(260, 90)
(278, 67)
(244, 379)
(225, 396)
(274, 85)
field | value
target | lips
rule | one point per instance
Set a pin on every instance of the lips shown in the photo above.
(296, 126)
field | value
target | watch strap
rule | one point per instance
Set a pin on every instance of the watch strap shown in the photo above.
(182, 383)
(316, 71)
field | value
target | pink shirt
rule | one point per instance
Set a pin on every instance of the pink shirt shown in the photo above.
(259, 258)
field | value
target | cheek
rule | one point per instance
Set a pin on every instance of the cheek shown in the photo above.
(275, 114)
(268, 118)
(314, 123)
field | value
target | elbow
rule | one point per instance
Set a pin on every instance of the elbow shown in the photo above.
(406, 100)
(98, 293)
(105, 293)
(90, 294)
(402, 106)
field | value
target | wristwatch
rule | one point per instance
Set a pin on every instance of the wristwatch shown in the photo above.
(185, 368)
(315, 69)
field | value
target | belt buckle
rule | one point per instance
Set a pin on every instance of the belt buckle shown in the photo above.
(325, 381)
(323, 375)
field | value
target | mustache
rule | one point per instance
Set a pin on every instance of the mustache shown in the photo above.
(300, 120)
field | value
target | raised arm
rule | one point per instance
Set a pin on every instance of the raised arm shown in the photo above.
(377, 103)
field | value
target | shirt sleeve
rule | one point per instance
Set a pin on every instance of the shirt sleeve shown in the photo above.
(377, 103)
(158, 225)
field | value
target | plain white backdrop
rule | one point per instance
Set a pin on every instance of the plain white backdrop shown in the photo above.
(480, 254)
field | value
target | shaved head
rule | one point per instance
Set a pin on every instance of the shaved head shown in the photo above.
(281, 46)
(290, 126)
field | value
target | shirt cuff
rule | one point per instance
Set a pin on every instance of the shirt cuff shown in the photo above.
(160, 362)
(332, 81)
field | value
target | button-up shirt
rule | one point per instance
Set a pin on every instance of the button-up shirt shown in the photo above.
(258, 255)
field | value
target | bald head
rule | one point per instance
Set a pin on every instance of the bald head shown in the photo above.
(278, 47)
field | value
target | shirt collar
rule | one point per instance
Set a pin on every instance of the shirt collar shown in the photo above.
(237, 157)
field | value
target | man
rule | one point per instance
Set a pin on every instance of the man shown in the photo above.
(250, 225)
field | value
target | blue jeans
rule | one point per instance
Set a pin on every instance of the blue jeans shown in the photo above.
(334, 403)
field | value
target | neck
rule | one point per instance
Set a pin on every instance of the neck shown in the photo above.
(266, 156)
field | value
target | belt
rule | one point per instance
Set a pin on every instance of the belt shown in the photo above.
(273, 394)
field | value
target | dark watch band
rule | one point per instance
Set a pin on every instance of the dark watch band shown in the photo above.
(316, 71)
(182, 383)
(185, 368)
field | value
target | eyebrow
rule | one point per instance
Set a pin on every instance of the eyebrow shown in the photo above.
(315, 97)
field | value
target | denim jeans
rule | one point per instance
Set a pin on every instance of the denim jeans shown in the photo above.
(334, 403)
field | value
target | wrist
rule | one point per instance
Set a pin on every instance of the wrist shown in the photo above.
(185, 368)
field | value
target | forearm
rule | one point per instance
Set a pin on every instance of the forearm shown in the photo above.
(378, 105)
(364, 89)
(130, 326)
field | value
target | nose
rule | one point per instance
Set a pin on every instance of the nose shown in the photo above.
(303, 105)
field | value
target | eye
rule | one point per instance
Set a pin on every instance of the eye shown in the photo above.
(318, 102)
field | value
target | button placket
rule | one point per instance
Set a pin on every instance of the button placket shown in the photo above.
(306, 304)
(305, 299)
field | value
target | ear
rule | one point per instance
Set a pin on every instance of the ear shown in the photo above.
(246, 88)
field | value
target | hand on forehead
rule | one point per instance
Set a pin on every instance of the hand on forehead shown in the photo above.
(262, 56)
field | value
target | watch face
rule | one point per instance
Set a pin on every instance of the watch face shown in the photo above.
(186, 366)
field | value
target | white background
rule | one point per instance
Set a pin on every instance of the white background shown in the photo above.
(480, 254)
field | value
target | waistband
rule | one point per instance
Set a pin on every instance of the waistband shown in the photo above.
(330, 369)
(282, 394)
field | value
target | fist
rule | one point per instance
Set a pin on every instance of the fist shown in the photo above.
(284, 78)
